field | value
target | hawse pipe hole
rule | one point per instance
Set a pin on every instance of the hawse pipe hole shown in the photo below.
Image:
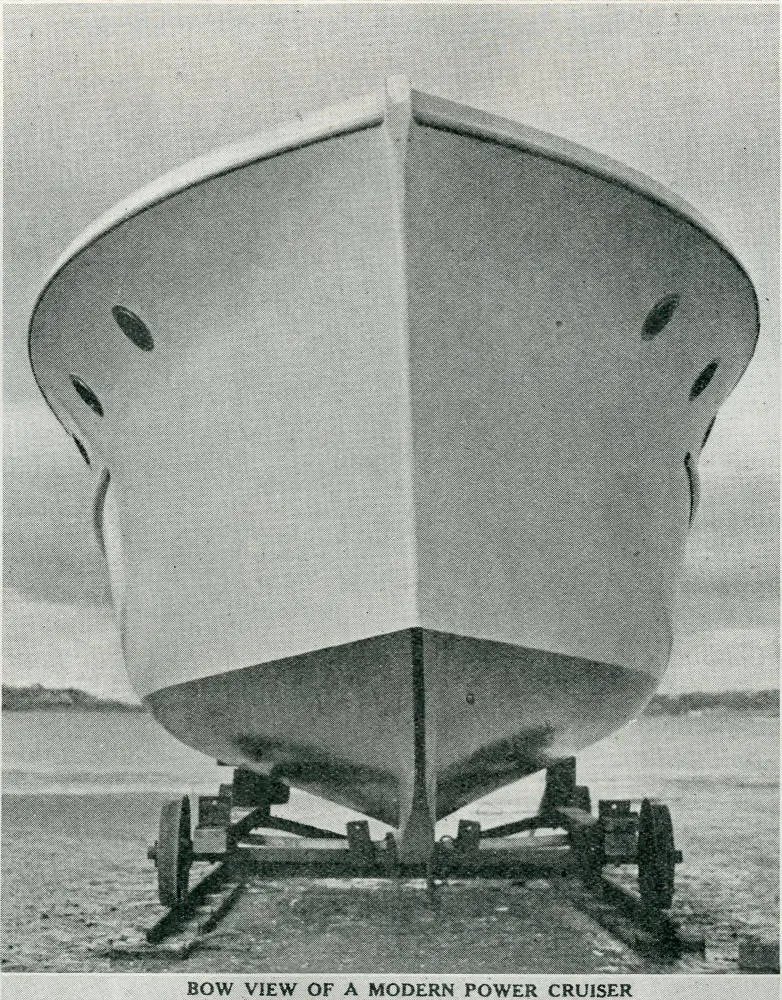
(659, 317)
(703, 379)
(87, 395)
(133, 327)
(82, 449)
(708, 432)
(694, 481)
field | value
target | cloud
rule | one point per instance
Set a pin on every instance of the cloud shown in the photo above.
(62, 645)
(50, 551)
(724, 659)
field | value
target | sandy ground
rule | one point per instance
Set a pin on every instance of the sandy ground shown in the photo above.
(378, 927)
(86, 878)
(74, 869)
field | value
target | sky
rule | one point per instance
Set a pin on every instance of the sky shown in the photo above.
(103, 98)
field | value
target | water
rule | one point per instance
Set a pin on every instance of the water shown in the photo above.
(718, 773)
(87, 753)
(680, 759)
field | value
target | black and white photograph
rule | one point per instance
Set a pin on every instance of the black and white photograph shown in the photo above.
(391, 499)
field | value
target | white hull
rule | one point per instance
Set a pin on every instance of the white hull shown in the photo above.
(409, 368)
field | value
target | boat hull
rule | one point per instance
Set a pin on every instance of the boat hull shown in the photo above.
(411, 371)
(368, 723)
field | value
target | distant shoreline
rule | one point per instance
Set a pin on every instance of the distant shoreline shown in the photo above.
(38, 698)
(711, 703)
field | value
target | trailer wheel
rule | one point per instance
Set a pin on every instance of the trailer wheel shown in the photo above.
(174, 854)
(657, 856)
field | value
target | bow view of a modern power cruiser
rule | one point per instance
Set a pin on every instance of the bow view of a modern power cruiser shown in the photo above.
(395, 417)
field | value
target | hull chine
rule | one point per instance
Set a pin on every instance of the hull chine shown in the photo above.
(405, 727)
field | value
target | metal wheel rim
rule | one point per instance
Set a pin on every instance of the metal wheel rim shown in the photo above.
(656, 855)
(174, 853)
